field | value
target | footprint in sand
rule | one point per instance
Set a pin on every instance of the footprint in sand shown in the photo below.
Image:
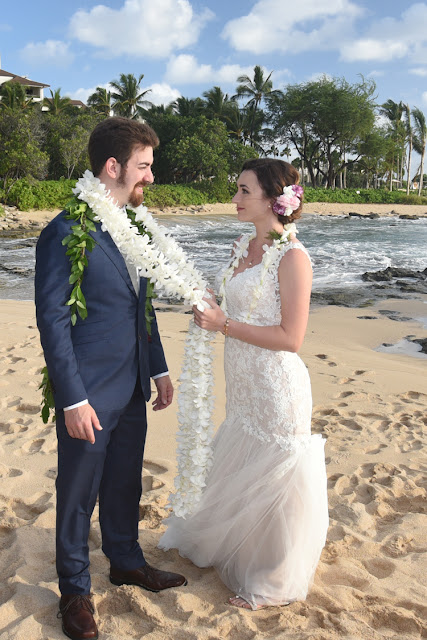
(28, 408)
(30, 511)
(379, 567)
(346, 394)
(9, 472)
(15, 359)
(351, 424)
(150, 483)
(375, 450)
(34, 446)
(323, 356)
(153, 467)
(10, 402)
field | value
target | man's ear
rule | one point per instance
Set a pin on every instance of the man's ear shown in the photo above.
(112, 168)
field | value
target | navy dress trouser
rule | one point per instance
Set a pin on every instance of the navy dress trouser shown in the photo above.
(112, 469)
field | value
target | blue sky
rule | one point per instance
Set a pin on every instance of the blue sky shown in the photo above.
(185, 47)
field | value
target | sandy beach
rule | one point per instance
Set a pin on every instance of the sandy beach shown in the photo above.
(370, 582)
(37, 219)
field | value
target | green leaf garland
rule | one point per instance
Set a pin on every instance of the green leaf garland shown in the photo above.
(78, 242)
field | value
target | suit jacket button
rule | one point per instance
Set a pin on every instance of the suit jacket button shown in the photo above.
(139, 336)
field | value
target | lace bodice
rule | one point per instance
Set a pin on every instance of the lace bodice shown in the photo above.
(267, 391)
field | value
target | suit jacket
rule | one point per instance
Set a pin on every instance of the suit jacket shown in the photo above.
(100, 357)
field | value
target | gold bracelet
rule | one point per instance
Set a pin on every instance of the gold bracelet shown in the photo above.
(225, 328)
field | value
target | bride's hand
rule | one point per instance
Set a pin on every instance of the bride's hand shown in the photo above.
(212, 319)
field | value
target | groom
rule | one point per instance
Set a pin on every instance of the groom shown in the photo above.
(100, 371)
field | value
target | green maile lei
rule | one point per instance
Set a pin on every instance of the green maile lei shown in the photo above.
(78, 243)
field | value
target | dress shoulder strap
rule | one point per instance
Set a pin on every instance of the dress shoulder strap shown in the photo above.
(296, 245)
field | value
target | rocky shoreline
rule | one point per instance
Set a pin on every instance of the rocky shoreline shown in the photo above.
(16, 223)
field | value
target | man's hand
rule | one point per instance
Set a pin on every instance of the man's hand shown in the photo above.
(164, 393)
(81, 422)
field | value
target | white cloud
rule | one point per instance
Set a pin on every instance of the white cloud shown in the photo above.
(5, 27)
(373, 49)
(425, 97)
(391, 38)
(281, 25)
(285, 26)
(376, 74)
(51, 52)
(83, 94)
(140, 28)
(162, 93)
(419, 71)
(186, 70)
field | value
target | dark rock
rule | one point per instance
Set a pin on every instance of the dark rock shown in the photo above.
(373, 216)
(390, 273)
(406, 216)
(394, 315)
(367, 318)
(17, 270)
(422, 342)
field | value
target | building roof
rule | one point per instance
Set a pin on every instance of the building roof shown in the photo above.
(21, 80)
(74, 103)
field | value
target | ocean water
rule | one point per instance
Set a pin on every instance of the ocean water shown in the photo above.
(341, 248)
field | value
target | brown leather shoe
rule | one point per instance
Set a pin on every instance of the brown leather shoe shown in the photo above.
(77, 612)
(148, 578)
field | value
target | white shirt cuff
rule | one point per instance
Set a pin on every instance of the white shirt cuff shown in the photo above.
(74, 406)
(161, 375)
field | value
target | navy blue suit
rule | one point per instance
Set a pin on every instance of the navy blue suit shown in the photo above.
(108, 359)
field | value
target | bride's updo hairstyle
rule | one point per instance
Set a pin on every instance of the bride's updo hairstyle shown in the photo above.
(273, 175)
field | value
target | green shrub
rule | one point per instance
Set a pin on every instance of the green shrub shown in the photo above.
(172, 195)
(361, 196)
(413, 198)
(46, 194)
(54, 194)
(2, 211)
(216, 190)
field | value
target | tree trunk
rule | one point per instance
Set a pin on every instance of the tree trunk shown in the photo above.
(420, 185)
(408, 180)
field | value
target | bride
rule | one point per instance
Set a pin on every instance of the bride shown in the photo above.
(262, 518)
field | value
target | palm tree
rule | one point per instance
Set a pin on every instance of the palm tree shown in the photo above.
(238, 123)
(128, 99)
(393, 111)
(57, 103)
(218, 103)
(409, 137)
(188, 106)
(256, 89)
(100, 100)
(14, 97)
(420, 140)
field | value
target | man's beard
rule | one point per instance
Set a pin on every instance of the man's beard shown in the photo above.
(136, 198)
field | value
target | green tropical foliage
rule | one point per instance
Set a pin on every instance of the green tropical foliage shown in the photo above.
(128, 99)
(335, 133)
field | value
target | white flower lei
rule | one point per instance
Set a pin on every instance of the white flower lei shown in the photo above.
(163, 261)
(270, 256)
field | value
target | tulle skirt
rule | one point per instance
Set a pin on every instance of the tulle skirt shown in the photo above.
(263, 517)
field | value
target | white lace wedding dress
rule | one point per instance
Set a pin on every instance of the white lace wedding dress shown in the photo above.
(263, 517)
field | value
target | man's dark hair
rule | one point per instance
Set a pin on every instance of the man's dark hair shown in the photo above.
(118, 138)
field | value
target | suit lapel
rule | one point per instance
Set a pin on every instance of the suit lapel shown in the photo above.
(106, 243)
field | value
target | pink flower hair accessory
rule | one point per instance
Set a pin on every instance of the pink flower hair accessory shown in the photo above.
(289, 201)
